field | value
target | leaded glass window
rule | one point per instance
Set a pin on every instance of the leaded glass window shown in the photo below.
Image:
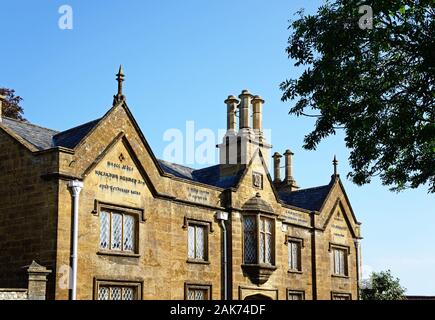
(258, 240)
(197, 292)
(250, 239)
(115, 292)
(117, 231)
(266, 240)
(294, 255)
(197, 242)
(295, 295)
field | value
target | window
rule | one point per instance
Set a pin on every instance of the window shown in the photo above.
(258, 249)
(294, 255)
(117, 231)
(117, 291)
(197, 242)
(340, 261)
(341, 296)
(198, 292)
(295, 295)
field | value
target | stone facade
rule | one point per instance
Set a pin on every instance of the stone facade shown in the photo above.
(120, 174)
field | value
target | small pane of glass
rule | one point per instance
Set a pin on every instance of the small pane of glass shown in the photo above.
(103, 293)
(116, 231)
(104, 230)
(129, 233)
(200, 243)
(250, 240)
(191, 242)
(115, 293)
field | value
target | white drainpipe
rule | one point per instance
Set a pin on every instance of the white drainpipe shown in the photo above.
(75, 186)
(222, 217)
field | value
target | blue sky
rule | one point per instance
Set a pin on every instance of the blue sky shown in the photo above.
(182, 59)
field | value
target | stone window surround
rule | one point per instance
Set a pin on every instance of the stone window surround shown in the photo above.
(208, 229)
(298, 292)
(201, 286)
(346, 249)
(137, 213)
(258, 217)
(101, 281)
(302, 246)
(340, 294)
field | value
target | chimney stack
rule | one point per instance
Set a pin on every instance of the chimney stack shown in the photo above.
(1, 107)
(288, 168)
(277, 167)
(257, 106)
(231, 103)
(245, 102)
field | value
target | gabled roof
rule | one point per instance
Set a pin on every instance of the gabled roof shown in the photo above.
(310, 198)
(41, 138)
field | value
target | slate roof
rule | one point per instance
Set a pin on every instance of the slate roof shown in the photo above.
(41, 138)
(210, 175)
(71, 137)
(310, 198)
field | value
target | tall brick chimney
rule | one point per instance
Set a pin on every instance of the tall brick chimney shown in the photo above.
(231, 103)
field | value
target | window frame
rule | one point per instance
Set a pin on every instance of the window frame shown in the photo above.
(136, 285)
(301, 293)
(335, 294)
(300, 244)
(136, 214)
(333, 248)
(206, 227)
(196, 286)
(258, 217)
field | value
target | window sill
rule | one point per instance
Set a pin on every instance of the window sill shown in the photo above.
(339, 276)
(118, 254)
(295, 271)
(197, 261)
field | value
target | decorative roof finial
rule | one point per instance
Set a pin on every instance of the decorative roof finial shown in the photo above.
(120, 78)
(335, 163)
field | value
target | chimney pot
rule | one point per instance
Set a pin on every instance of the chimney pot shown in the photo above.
(231, 103)
(288, 167)
(245, 103)
(257, 105)
(277, 167)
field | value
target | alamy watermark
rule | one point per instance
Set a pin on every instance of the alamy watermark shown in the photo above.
(366, 20)
(65, 21)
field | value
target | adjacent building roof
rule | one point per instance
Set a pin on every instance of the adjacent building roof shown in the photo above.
(71, 137)
(210, 175)
(310, 199)
(43, 138)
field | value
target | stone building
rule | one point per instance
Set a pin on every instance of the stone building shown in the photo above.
(111, 221)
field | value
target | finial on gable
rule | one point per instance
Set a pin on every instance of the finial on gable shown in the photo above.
(120, 78)
(335, 163)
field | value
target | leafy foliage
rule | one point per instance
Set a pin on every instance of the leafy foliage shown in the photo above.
(376, 84)
(382, 286)
(11, 106)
